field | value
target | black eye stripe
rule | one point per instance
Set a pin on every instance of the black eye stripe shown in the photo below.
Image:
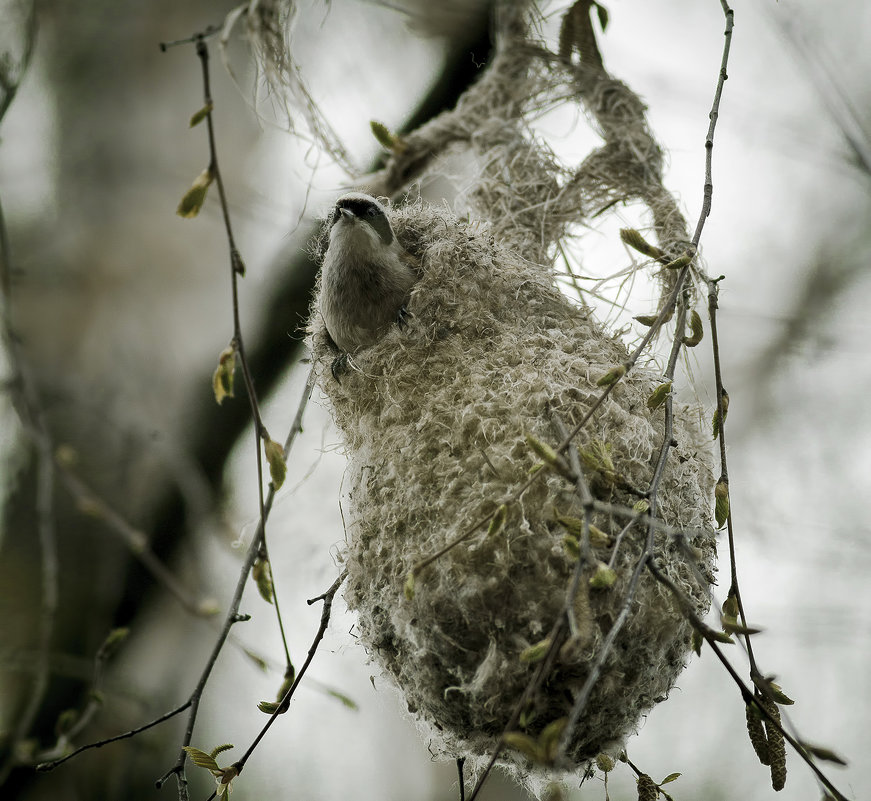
(359, 207)
(366, 210)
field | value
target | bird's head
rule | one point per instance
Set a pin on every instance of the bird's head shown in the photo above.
(357, 211)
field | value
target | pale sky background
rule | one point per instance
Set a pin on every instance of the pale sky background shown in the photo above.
(784, 193)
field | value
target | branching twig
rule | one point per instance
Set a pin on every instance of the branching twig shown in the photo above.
(30, 412)
(257, 545)
(665, 313)
(46, 766)
(284, 703)
(91, 504)
(327, 598)
(747, 694)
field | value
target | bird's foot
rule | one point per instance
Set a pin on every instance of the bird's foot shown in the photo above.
(340, 365)
(402, 317)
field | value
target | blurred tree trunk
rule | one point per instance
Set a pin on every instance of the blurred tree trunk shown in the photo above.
(99, 297)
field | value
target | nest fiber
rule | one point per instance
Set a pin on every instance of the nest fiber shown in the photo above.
(435, 418)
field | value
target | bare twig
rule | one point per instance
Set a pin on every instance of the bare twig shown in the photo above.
(327, 597)
(90, 503)
(29, 407)
(665, 313)
(46, 766)
(257, 545)
(747, 694)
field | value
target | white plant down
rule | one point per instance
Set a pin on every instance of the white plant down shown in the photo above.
(435, 418)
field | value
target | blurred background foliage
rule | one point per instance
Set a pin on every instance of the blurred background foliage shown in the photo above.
(120, 309)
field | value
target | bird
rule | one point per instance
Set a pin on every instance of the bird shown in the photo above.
(366, 276)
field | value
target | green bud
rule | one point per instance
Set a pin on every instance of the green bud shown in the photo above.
(262, 575)
(681, 261)
(603, 577)
(537, 652)
(497, 522)
(201, 114)
(635, 240)
(721, 502)
(658, 396)
(275, 458)
(697, 641)
(605, 763)
(697, 330)
(222, 380)
(612, 376)
(385, 137)
(65, 721)
(193, 200)
(715, 423)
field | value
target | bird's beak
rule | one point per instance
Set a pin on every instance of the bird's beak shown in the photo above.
(347, 214)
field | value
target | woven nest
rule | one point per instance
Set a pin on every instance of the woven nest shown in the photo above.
(435, 418)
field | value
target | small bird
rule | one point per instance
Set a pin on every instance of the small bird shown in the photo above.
(367, 276)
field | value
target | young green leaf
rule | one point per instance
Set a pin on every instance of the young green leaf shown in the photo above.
(549, 738)
(826, 754)
(408, 587)
(350, 703)
(572, 547)
(497, 522)
(201, 759)
(385, 137)
(525, 744)
(602, 14)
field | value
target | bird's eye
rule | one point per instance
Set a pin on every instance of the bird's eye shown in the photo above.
(372, 211)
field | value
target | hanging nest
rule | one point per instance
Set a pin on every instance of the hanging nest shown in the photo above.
(436, 419)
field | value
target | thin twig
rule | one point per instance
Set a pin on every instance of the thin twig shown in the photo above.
(46, 766)
(327, 598)
(91, 504)
(747, 694)
(30, 412)
(665, 313)
(256, 546)
(232, 617)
